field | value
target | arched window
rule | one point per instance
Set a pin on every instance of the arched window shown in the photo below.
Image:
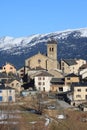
(52, 49)
(39, 61)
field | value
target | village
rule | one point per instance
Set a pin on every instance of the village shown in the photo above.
(45, 86)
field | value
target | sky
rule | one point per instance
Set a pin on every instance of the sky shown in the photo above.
(19, 18)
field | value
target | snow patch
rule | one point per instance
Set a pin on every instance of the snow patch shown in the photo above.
(61, 116)
(10, 43)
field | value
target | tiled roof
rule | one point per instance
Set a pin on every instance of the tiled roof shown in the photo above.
(3, 75)
(57, 80)
(80, 84)
(71, 75)
(52, 41)
(11, 80)
(38, 68)
(3, 87)
(84, 66)
(9, 87)
(70, 61)
(9, 64)
(44, 73)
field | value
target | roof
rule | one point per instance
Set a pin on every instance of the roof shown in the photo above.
(52, 41)
(44, 73)
(3, 75)
(57, 80)
(9, 64)
(38, 68)
(36, 55)
(80, 84)
(84, 66)
(9, 87)
(72, 75)
(3, 87)
(70, 61)
(11, 80)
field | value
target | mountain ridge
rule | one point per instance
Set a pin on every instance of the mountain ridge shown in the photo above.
(72, 43)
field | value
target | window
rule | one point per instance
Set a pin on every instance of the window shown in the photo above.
(39, 78)
(10, 98)
(86, 97)
(52, 88)
(78, 96)
(39, 61)
(39, 88)
(43, 83)
(39, 83)
(29, 63)
(60, 89)
(0, 91)
(62, 63)
(11, 68)
(79, 90)
(52, 49)
(63, 68)
(49, 49)
(17, 84)
(68, 78)
(86, 89)
(44, 89)
(22, 70)
(21, 74)
(43, 78)
(12, 84)
(9, 91)
(1, 98)
(68, 83)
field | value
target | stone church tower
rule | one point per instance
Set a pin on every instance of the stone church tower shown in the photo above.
(48, 62)
(52, 49)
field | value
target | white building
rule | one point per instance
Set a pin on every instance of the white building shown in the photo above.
(42, 81)
(7, 94)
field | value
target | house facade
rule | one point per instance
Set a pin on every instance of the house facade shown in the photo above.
(71, 65)
(42, 81)
(9, 68)
(83, 71)
(71, 78)
(16, 84)
(7, 94)
(20, 72)
(79, 93)
(56, 84)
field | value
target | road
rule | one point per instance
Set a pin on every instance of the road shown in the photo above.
(62, 104)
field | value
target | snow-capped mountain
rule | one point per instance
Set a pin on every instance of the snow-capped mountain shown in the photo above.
(71, 44)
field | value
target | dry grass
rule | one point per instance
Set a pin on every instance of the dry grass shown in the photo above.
(72, 122)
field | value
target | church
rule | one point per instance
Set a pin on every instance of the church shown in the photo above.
(46, 62)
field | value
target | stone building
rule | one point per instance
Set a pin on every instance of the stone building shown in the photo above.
(47, 62)
(71, 65)
(9, 68)
(78, 94)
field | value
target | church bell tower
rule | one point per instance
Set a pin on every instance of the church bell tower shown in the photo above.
(52, 49)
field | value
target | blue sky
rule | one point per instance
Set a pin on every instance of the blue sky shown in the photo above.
(27, 17)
